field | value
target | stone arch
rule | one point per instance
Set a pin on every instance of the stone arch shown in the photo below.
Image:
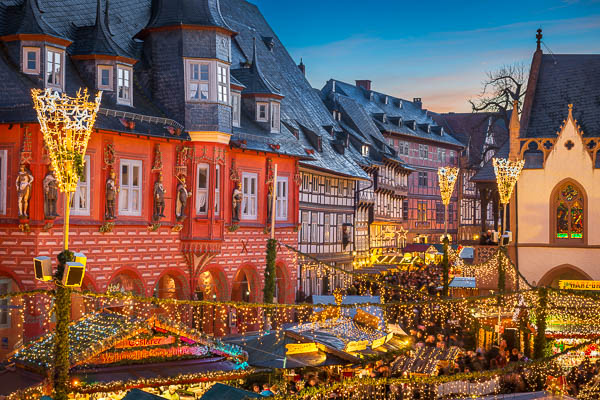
(172, 284)
(563, 272)
(245, 285)
(128, 280)
(11, 320)
(284, 288)
(553, 202)
(5, 273)
(212, 284)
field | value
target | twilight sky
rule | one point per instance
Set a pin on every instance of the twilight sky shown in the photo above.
(438, 50)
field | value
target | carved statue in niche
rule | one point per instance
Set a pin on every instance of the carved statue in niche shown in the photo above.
(50, 194)
(159, 198)
(111, 196)
(182, 198)
(236, 203)
(24, 180)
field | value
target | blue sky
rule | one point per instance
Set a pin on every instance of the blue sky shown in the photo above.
(438, 50)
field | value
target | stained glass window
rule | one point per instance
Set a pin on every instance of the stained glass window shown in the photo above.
(569, 213)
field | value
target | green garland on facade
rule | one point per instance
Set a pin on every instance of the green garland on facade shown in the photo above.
(62, 310)
(539, 343)
(445, 268)
(269, 289)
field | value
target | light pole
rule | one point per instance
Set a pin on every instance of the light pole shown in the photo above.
(66, 124)
(507, 173)
(447, 177)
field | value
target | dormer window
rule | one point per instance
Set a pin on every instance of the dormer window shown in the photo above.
(54, 68)
(365, 150)
(197, 85)
(31, 60)
(223, 83)
(105, 75)
(124, 92)
(235, 109)
(261, 112)
(275, 115)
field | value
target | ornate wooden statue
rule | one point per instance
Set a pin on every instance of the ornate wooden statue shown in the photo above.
(182, 198)
(111, 196)
(50, 194)
(236, 203)
(24, 180)
(159, 199)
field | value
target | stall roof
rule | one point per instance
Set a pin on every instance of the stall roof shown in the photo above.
(220, 391)
(463, 282)
(137, 394)
(351, 312)
(269, 351)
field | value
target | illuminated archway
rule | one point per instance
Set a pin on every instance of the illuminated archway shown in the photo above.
(127, 281)
(212, 285)
(11, 319)
(172, 284)
(245, 285)
(563, 272)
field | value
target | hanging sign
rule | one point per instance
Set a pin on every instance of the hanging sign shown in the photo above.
(579, 285)
(356, 346)
(300, 348)
(145, 342)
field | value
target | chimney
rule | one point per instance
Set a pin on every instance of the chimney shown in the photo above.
(365, 84)
(418, 103)
(303, 68)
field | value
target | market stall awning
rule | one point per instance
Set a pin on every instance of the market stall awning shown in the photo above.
(467, 282)
(270, 351)
(358, 300)
(220, 391)
(137, 394)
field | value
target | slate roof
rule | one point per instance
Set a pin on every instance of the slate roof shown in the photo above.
(375, 105)
(97, 38)
(566, 79)
(303, 114)
(94, 30)
(187, 12)
(471, 130)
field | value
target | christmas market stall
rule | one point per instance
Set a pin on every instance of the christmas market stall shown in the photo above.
(106, 350)
(565, 335)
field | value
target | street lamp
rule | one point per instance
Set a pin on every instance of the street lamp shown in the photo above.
(507, 173)
(66, 124)
(447, 179)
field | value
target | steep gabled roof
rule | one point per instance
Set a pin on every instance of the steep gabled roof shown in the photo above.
(486, 173)
(253, 78)
(472, 129)
(565, 79)
(97, 39)
(25, 18)
(186, 12)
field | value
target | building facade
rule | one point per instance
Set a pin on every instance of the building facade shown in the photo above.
(175, 197)
(555, 205)
(408, 148)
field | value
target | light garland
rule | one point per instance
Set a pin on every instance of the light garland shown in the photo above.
(507, 173)
(447, 177)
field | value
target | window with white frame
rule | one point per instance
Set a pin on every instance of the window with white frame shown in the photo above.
(249, 190)
(31, 60)
(105, 77)
(423, 151)
(5, 288)
(281, 213)
(275, 117)
(124, 92)
(223, 83)
(261, 112)
(130, 182)
(198, 80)
(54, 68)
(202, 189)
(3, 180)
(365, 150)
(235, 109)
(80, 202)
(217, 189)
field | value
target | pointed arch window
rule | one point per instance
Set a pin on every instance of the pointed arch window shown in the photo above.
(569, 212)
